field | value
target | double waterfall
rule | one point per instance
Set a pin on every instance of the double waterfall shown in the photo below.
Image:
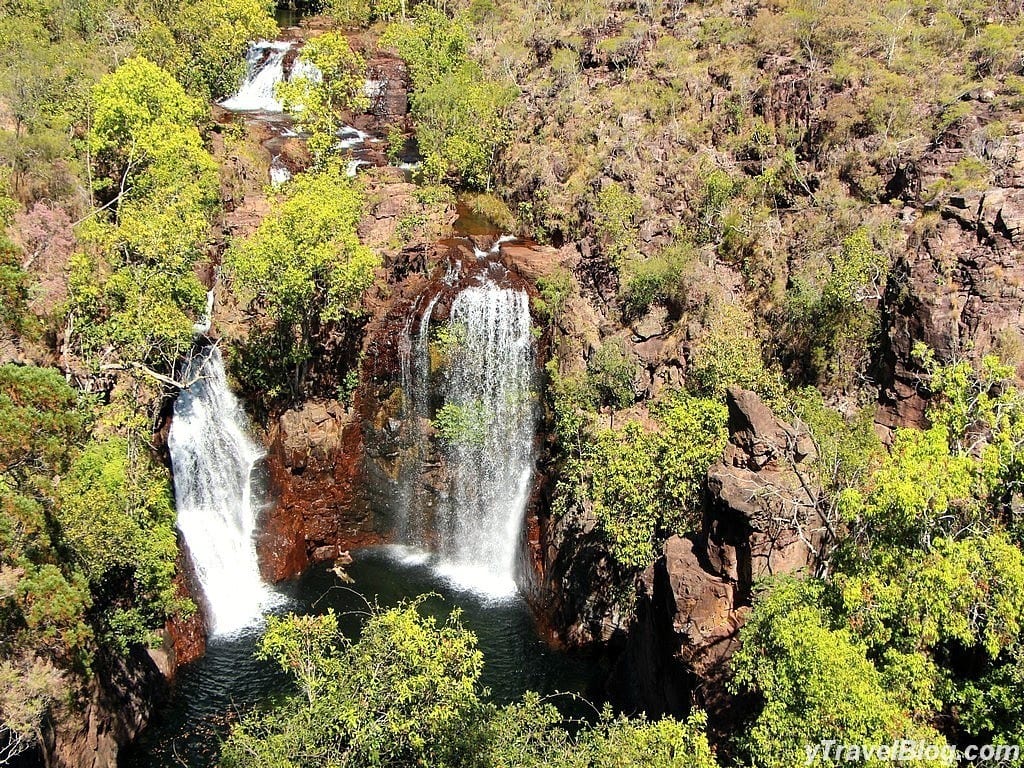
(472, 374)
(214, 461)
(471, 528)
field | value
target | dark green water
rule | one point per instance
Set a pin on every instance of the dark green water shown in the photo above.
(228, 680)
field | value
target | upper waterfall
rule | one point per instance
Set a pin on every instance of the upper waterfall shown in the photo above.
(213, 459)
(483, 402)
(264, 70)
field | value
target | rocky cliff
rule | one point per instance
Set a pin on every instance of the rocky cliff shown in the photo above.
(109, 710)
(761, 520)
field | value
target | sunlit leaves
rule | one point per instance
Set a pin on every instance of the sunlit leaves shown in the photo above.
(305, 262)
(318, 98)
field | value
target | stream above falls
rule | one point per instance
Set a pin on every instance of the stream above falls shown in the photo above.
(209, 693)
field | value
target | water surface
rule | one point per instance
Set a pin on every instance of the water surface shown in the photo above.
(211, 693)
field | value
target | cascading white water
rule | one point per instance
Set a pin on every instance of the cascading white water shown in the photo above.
(489, 380)
(213, 459)
(264, 70)
(279, 173)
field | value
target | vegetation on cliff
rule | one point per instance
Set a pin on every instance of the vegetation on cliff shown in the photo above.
(305, 267)
(107, 196)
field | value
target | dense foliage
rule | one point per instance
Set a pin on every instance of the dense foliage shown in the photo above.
(318, 97)
(87, 547)
(306, 268)
(645, 484)
(922, 610)
(107, 192)
(133, 291)
(458, 110)
(407, 692)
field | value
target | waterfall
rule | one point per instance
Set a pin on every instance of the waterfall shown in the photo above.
(213, 460)
(279, 173)
(264, 70)
(487, 383)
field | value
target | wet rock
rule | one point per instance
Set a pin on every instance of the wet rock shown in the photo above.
(185, 637)
(390, 96)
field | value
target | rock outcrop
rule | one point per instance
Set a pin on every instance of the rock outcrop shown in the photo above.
(762, 514)
(113, 707)
(761, 520)
(315, 469)
(959, 287)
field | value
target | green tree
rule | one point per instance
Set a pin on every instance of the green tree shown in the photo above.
(462, 424)
(730, 354)
(406, 693)
(644, 485)
(317, 102)
(615, 216)
(430, 42)
(213, 36)
(460, 125)
(305, 264)
(815, 683)
(133, 294)
(116, 516)
(612, 370)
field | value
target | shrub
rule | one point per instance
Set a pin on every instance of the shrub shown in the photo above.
(459, 424)
(643, 484)
(615, 216)
(612, 372)
(728, 354)
(554, 290)
(658, 279)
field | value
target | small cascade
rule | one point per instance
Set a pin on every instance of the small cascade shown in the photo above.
(485, 385)
(264, 70)
(214, 459)
(203, 325)
(279, 172)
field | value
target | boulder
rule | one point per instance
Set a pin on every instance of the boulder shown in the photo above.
(702, 606)
(762, 514)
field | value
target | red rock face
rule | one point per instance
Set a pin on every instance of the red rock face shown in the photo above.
(316, 479)
(186, 637)
(332, 471)
(959, 287)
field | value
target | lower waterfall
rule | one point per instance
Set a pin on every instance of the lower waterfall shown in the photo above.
(213, 459)
(486, 410)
